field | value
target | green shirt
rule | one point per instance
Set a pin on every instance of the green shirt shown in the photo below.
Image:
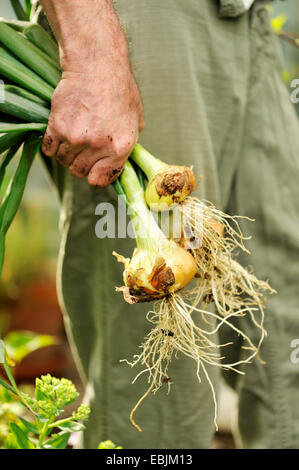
(233, 8)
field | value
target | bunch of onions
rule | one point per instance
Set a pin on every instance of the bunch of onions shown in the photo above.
(211, 236)
(161, 266)
(159, 270)
(158, 266)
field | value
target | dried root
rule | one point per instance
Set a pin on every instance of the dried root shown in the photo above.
(211, 237)
(174, 331)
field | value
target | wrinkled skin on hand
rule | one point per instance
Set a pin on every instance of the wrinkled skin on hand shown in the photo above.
(96, 119)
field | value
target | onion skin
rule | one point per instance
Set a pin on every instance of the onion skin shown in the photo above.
(148, 278)
(169, 187)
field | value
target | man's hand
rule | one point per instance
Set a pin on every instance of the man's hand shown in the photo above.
(96, 109)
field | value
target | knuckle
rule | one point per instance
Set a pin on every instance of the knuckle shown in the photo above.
(122, 147)
(95, 142)
(75, 139)
(47, 143)
(57, 126)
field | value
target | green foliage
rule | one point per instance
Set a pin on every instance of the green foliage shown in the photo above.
(12, 200)
(20, 344)
(28, 8)
(10, 409)
(108, 445)
(50, 397)
(19, 10)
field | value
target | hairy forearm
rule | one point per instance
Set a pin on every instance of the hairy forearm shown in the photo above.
(86, 30)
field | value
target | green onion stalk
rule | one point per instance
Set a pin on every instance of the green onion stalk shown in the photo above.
(158, 266)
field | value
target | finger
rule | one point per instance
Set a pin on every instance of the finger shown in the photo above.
(66, 153)
(84, 161)
(50, 143)
(105, 172)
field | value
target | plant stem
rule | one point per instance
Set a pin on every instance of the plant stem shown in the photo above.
(24, 109)
(43, 434)
(18, 9)
(30, 55)
(145, 227)
(149, 164)
(40, 38)
(120, 192)
(6, 128)
(60, 422)
(130, 184)
(8, 140)
(17, 72)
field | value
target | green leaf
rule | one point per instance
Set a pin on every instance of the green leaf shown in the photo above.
(59, 441)
(23, 108)
(20, 344)
(11, 442)
(42, 39)
(16, 24)
(108, 445)
(8, 140)
(19, 10)
(72, 426)
(30, 55)
(30, 427)
(18, 73)
(5, 128)
(21, 437)
(7, 386)
(17, 90)
(7, 159)
(28, 7)
(12, 201)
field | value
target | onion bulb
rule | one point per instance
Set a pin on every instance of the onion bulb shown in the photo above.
(158, 266)
(168, 184)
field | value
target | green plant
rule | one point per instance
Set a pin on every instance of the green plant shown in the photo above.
(51, 396)
(108, 445)
(44, 408)
(19, 344)
(10, 409)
